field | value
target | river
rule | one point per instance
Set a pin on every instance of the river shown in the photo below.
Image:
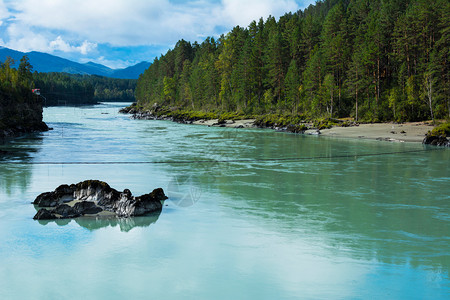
(252, 214)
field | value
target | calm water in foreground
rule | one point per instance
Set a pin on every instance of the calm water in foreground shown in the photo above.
(346, 219)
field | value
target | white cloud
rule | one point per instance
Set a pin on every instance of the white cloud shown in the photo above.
(137, 22)
(112, 63)
(79, 26)
(22, 38)
(60, 45)
(86, 47)
(244, 12)
(4, 13)
(103, 21)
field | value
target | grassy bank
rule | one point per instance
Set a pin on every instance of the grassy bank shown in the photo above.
(289, 122)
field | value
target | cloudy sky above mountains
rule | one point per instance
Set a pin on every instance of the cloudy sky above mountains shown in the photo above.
(119, 33)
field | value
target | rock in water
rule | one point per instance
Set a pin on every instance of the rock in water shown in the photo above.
(91, 197)
(44, 214)
(87, 208)
(436, 140)
(141, 205)
(46, 200)
(65, 211)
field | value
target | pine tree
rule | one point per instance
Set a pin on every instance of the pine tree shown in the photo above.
(334, 45)
(374, 60)
(256, 60)
(312, 81)
(25, 72)
(292, 82)
(275, 61)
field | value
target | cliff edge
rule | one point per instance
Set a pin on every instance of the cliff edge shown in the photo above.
(20, 113)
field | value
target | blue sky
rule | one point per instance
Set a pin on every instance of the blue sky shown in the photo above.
(120, 33)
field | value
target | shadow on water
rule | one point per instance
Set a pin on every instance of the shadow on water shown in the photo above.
(13, 175)
(92, 223)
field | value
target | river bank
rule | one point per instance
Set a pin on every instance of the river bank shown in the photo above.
(413, 132)
(392, 132)
(20, 117)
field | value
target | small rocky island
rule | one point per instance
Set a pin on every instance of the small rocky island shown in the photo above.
(95, 198)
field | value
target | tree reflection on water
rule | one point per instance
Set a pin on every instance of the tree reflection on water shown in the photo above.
(15, 158)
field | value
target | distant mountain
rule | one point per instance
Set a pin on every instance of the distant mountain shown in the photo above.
(127, 73)
(98, 68)
(43, 62)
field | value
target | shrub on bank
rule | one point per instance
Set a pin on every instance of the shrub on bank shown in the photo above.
(441, 130)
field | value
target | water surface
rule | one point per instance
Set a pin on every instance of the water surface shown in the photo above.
(252, 214)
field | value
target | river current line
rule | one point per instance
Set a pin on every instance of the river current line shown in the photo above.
(285, 159)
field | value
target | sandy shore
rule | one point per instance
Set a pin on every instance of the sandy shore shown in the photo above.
(406, 132)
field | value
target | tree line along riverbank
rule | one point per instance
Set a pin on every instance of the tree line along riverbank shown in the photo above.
(427, 132)
(21, 108)
(373, 61)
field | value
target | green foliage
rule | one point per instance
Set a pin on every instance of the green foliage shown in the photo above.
(292, 81)
(169, 89)
(112, 89)
(19, 108)
(24, 72)
(325, 123)
(64, 88)
(188, 115)
(371, 60)
(233, 116)
(279, 120)
(16, 83)
(441, 130)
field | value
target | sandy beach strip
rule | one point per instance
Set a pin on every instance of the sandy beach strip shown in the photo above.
(406, 132)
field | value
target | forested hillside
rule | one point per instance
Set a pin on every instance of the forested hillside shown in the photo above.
(64, 88)
(373, 60)
(113, 89)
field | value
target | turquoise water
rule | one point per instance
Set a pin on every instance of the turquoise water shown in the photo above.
(252, 214)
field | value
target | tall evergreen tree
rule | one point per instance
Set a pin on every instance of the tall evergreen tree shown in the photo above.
(373, 60)
(292, 82)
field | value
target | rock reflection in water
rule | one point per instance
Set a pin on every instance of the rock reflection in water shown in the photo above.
(92, 223)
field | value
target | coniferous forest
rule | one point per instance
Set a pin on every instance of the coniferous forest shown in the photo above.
(15, 83)
(75, 89)
(374, 60)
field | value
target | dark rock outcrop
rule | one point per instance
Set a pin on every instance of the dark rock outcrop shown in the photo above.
(296, 128)
(92, 197)
(87, 208)
(46, 200)
(140, 205)
(44, 214)
(20, 115)
(66, 211)
(436, 140)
